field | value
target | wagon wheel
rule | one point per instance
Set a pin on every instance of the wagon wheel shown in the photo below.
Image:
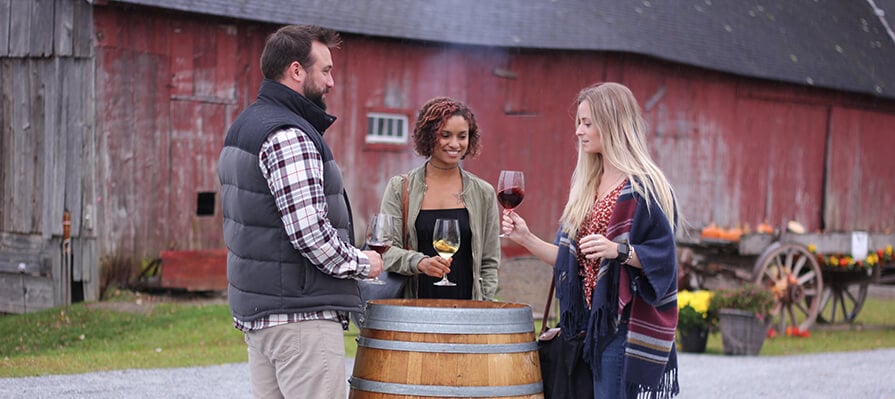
(792, 273)
(841, 302)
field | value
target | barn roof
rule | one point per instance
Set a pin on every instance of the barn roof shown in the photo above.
(837, 44)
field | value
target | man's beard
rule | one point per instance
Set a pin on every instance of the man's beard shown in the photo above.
(316, 96)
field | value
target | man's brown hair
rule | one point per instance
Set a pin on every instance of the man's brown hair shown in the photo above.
(293, 43)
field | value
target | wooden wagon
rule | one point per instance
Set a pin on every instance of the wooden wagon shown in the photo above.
(814, 276)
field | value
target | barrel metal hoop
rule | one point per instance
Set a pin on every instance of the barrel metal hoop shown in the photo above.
(449, 320)
(445, 348)
(445, 391)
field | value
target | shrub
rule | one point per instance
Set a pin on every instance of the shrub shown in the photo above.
(749, 297)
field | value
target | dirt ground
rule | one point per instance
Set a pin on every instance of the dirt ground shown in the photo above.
(525, 280)
(142, 302)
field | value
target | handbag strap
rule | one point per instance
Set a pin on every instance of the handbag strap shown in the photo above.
(404, 214)
(544, 327)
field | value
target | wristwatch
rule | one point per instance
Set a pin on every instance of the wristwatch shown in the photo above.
(623, 252)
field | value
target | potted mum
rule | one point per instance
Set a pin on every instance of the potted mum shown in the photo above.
(695, 320)
(744, 317)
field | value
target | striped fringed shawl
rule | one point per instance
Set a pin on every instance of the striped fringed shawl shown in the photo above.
(650, 358)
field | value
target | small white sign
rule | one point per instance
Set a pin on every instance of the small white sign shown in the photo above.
(859, 245)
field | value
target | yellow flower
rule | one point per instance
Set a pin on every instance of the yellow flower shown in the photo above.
(698, 300)
(888, 250)
(812, 248)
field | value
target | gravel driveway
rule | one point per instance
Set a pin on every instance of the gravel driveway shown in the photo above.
(864, 374)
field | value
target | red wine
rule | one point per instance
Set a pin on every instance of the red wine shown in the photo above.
(379, 247)
(511, 197)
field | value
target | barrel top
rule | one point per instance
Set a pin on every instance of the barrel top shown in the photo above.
(447, 303)
(448, 316)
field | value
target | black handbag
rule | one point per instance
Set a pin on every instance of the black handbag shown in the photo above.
(564, 373)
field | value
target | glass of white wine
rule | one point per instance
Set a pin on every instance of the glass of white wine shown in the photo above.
(446, 241)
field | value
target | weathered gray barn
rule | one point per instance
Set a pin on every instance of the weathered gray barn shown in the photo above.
(114, 111)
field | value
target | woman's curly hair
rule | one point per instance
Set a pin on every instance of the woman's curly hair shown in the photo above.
(430, 120)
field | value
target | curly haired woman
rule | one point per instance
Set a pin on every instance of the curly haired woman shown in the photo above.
(445, 133)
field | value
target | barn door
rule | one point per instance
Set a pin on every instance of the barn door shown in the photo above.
(204, 62)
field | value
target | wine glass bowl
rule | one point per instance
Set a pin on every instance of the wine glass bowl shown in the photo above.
(510, 189)
(446, 242)
(378, 238)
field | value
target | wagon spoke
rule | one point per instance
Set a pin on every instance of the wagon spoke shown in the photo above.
(792, 316)
(801, 308)
(839, 302)
(799, 264)
(850, 296)
(842, 304)
(806, 277)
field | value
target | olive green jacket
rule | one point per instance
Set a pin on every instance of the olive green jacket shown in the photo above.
(484, 221)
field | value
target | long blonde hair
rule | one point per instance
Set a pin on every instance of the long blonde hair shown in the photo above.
(622, 130)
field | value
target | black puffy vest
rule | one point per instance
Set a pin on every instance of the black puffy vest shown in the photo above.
(266, 274)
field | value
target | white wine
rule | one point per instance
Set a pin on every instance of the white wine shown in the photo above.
(444, 249)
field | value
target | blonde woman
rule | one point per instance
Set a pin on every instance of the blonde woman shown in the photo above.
(614, 255)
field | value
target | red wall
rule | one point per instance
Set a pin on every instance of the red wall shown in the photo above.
(738, 150)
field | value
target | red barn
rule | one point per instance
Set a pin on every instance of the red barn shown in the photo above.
(115, 111)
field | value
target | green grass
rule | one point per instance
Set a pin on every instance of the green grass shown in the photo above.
(80, 339)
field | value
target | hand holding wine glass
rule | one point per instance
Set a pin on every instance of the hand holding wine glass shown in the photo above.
(378, 238)
(446, 241)
(510, 190)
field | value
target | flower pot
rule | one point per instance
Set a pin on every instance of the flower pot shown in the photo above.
(742, 333)
(693, 339)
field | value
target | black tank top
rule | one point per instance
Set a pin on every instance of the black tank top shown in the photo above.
(461, 267)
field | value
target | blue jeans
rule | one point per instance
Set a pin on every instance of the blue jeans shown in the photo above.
(609, 384)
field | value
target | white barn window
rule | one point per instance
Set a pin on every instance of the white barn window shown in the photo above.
(387, 128)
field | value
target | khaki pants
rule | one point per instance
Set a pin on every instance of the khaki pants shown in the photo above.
(298, 360)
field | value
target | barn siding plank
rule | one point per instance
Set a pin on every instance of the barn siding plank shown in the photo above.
(86, 256)
(152, 177)
(87, 220)
(19, 28)
(27, 154)
(82, 33)
(182, 52)
(64, 26)
(60, 272)
(12, 293)
(39, 294)
(226, 68)
(42, 35)
(71, 127)
(21, 253)
(49, 90)
(6, 143)
(5, 26)
(205, 57)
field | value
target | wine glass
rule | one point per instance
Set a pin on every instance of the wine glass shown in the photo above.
(446, 241)
(510, 189)
(378, 238)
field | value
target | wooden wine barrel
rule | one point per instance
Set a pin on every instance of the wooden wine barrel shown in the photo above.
(438, 348)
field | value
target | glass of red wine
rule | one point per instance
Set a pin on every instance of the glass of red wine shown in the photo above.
(510, 189)
(378, 238)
